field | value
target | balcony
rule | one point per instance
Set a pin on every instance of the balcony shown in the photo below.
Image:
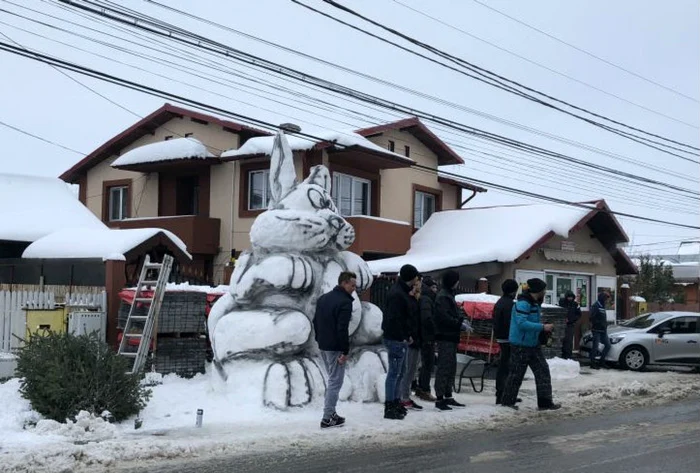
(200, 234)
(380, 236)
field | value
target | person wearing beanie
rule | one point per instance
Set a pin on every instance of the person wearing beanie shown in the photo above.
(427, 320)
(413, 351)
(525, 350)
(448, 326)
(599, 330)
(573, 313)
(501, 328)
(395, 324)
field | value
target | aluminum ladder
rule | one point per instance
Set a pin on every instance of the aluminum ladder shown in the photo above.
(140, 327)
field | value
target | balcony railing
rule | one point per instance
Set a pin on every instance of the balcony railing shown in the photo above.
(200, 234)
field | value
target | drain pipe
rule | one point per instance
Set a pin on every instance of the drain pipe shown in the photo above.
(468, 199)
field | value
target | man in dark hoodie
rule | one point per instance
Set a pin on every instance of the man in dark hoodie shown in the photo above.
(413, 352)
(427, 319)
(501, 326)
(524, 337)
(395, 324)
(599, 330)
(573, 313)
(448, 327)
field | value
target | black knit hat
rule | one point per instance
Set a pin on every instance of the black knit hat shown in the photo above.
(449, 279)
(408, 272)
(509, 286)
(429, 282)
(536, 285)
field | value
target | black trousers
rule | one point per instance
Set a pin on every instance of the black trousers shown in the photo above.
(427, 360)
(567, 349)
(520, 359)
(502, 373)
(446, 368)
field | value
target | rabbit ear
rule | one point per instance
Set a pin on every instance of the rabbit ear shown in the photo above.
(283, 177)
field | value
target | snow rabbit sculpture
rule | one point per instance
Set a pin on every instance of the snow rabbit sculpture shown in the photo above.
(261, 331)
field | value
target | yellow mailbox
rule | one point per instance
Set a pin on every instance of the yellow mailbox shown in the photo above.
(642, 308)
(41, 321)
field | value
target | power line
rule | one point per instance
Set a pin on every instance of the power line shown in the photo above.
(186, 37)
(487, 76)
(45, 140)
(210, 108)
(562, 74)
(559, 40)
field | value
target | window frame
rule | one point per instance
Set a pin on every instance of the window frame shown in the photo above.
(266, 189)
(107, 187)
(243, 172)
(353, 179)
(435, 193)
(391, 146)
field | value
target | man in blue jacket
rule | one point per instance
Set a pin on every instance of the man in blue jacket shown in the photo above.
(524, 338)
(331, 322)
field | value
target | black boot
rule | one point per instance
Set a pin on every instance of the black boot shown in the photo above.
(547, 405)
(391, 412)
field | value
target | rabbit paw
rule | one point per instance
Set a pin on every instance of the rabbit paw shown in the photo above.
(369, 330)
(367, 372)
(358, 266)
(273, 274)
(292, 383)
(259, 333)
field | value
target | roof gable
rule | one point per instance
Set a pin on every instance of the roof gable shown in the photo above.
(414, 126)
(147, 125)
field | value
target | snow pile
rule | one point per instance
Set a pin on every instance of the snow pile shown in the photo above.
(637, 299)
(178, 148)
(7, 356)
(337, 139)
(559, 369)
(105, 243)
(187, 287)
(86, 428)
(31, 207)
(455, 238)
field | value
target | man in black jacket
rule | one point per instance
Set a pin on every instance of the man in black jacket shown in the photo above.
(448, 327)
(427, 325)
(331, 321)
(599, 330)
(397, 338)
(501, 326)
(413, 351)
(573, 313)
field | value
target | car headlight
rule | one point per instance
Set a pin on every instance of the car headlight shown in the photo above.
(616, 339)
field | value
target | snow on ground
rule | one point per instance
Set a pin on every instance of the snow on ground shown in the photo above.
(169, 430)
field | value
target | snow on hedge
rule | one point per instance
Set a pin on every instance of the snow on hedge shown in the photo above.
(177, 148)
(32, 207)
(104, 243)
(477, 235)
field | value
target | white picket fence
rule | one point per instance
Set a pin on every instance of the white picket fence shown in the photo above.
(13, 317)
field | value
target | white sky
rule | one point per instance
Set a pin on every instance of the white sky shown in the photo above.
(658, 40)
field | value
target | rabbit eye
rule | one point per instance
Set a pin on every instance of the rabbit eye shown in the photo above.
(319, 200)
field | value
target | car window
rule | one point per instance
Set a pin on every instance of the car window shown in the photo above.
(681, 325)
(643, 321)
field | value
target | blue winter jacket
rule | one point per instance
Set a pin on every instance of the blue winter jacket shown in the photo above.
(525, 326)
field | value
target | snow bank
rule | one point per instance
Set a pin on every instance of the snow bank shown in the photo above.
(470, 236)
(338, 139)
(105, 243)
(231, 428)
(178, 148)
(187, 287)
(31, 207)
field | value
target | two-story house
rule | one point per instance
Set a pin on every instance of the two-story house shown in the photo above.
(205, 179)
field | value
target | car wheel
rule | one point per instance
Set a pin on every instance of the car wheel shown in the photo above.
(634, 358)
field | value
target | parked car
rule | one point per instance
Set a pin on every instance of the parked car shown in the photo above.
(658, 338)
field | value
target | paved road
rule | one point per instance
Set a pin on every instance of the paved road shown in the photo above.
(665, 438)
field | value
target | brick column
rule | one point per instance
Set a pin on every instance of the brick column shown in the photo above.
(482, 285)
(115, 281)
(624, 311)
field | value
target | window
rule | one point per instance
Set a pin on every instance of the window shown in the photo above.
(118, 203)
(407, 151)
(680, 325)
(187, 135)
(187, 195)
(169, 137)
(424, 207)
(351, 195)
(391, 145)
(258, 189)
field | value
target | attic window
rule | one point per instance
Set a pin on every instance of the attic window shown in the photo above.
(197, 120)
(169, 137)
(187, 135)
(407, 151)
(391, 145)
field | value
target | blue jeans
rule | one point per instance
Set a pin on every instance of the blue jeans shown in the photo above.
(396, 352)
(600, 336)
(336, 376)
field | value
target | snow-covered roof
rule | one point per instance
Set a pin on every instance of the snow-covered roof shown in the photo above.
(689, 248)
(462, 237)
(32, 207)
(263, 145)
(104, 243)
(169, 150)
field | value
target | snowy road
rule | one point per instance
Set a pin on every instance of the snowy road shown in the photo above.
(663, 438)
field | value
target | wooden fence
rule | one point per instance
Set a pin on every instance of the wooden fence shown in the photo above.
(13, 305)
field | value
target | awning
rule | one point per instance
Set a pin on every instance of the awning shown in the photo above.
(572, 256)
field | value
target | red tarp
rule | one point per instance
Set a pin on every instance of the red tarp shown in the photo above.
(479, 345)
(127, 295)
(478, 310)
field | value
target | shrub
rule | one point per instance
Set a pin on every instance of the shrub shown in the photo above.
(63, 374)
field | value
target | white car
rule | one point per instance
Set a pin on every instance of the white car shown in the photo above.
(658, 338)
